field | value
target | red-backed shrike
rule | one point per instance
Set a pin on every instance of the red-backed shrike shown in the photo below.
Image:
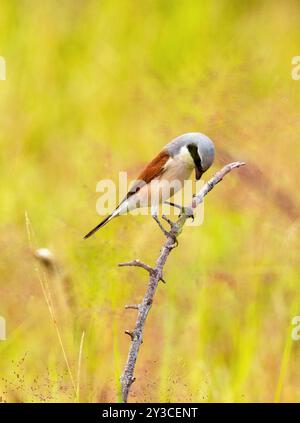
(166, 174)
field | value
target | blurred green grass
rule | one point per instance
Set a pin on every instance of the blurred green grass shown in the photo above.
(97, 87)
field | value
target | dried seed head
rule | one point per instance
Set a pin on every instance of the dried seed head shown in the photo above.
(46, 258)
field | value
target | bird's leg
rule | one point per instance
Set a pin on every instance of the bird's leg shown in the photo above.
(173, 205)
(167, 234)
(169, 221)
(173, 227)
(188, 211)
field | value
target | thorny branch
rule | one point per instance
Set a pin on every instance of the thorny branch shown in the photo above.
(155, 275)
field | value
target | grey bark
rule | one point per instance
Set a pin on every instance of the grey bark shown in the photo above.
(156, 275)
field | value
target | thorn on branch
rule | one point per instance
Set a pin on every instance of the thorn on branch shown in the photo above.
(161, 278)
(132, 306)
(129, 333)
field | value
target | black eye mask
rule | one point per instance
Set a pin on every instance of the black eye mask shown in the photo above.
(195, 156)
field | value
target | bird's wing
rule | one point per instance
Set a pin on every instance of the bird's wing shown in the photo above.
(155, 168)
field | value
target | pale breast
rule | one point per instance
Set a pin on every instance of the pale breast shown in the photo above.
(180, 167)
(177, 170)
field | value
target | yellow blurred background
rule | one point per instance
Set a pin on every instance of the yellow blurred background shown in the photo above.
(95, 87)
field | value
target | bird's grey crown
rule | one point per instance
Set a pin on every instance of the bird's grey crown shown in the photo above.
(205, 146)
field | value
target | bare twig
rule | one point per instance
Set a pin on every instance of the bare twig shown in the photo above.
(132, 306)
(155, 275)
(79, 365)
(137, 263)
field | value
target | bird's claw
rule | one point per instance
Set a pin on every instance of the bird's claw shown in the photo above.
(171, 233)
(188, 212)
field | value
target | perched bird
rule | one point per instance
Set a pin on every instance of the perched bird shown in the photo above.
(170, 168)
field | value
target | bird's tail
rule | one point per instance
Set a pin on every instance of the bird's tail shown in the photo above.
(101, 224)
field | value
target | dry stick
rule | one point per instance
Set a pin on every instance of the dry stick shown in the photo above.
(155, 275)
(42, 277)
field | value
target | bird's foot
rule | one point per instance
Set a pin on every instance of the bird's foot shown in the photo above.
(164, 231)
(187, 211)
(173, 231)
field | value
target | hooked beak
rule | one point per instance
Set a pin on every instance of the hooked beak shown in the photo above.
(199, 173)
